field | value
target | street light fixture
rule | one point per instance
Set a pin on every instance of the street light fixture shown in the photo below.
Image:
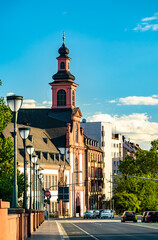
(37, 167)
(14, 102)
(34, 160)
(39, 187)
(30, 150)
(24, 133)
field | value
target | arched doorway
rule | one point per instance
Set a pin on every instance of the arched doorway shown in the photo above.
(78, 203)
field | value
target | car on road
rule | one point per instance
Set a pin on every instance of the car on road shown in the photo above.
(97, 212)
(107, 213)
(89, 214)
(152, 216)
(143, 216)
(129, 216)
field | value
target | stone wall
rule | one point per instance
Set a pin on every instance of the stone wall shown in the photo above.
(18, 224)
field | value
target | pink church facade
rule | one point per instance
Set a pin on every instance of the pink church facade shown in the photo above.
(64, 98)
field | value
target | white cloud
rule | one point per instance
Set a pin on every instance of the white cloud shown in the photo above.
(135, 126)
(9, 94)
(100, 117)
(86, 104)
(148, 23)
(137, 100)
(47, 102)
(112, 101)
(31, 103)
(149, 19)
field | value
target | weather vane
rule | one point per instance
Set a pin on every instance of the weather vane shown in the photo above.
(63, 37)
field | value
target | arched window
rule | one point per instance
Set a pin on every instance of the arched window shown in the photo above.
(73, 98)
(62, 65)
(76, 170)
(76, 133)
(68, 65)
(61, 98)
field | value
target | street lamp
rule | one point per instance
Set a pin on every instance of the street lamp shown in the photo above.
(30, 150)
(39, 187)
(34, 160)
(14, 102)
(24, 133)
(37, 167)
(40, 176)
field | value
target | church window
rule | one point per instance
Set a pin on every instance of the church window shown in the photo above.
(76, 170)
(76, 133)
(61, 98)
(62, 65)
(73, 98)
(68, 65)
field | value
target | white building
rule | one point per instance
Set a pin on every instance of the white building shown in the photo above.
(102, 132)
(116, 151)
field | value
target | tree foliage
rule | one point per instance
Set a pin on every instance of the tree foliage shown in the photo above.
(7, 158)
(138, 194)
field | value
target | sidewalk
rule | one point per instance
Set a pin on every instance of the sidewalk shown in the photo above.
(47, 231)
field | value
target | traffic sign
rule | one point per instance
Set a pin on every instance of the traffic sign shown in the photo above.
(47, 193)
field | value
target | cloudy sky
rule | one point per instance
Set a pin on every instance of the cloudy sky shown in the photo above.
(113, 46)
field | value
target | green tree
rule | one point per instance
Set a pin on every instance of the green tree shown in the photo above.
(138, 194)
(7, 158)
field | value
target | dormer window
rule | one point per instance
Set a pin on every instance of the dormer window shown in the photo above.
(45, 140)
(62, 65)
(30, 137)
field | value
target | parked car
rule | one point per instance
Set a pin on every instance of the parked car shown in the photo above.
(97, 212)
(128, 216)
(143, 216)
(107, 213)
(89, 214)
(152, 216)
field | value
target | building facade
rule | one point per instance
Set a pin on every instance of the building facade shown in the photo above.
(62, 123)
(93, 174)
(102, 132)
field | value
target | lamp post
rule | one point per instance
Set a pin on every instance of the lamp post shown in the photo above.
(30, 150)
(24, 133)
(37, 167)
(14, 102)
(40, 188)
(34, 160)
(40, 177)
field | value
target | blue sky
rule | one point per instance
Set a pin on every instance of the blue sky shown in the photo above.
(113, 45)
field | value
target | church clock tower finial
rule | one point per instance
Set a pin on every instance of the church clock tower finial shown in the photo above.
(63, 37)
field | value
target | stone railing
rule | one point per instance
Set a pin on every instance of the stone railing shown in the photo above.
(18, 224)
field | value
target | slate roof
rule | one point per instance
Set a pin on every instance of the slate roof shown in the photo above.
(63, 75)
(38, 141)
(54, 121)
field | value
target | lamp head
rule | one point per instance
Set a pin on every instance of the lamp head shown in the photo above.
(30, 149)
(24, 132)
(34, 158)
(14, 102)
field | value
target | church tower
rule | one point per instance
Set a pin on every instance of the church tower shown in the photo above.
(63, 86)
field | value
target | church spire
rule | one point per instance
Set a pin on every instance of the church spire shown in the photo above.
(63, 86)
(64, 37)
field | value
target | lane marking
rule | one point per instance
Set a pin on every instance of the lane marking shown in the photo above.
(85, 231)
(139, 225)
(62, 232)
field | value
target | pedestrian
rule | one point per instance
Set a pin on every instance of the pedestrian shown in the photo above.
(45, 214)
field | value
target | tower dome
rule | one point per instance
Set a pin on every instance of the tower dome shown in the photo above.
(63, 51)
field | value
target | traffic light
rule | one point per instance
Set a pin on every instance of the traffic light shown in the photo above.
(125, 176)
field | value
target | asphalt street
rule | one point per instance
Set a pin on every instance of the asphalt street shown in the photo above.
(111, 229)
